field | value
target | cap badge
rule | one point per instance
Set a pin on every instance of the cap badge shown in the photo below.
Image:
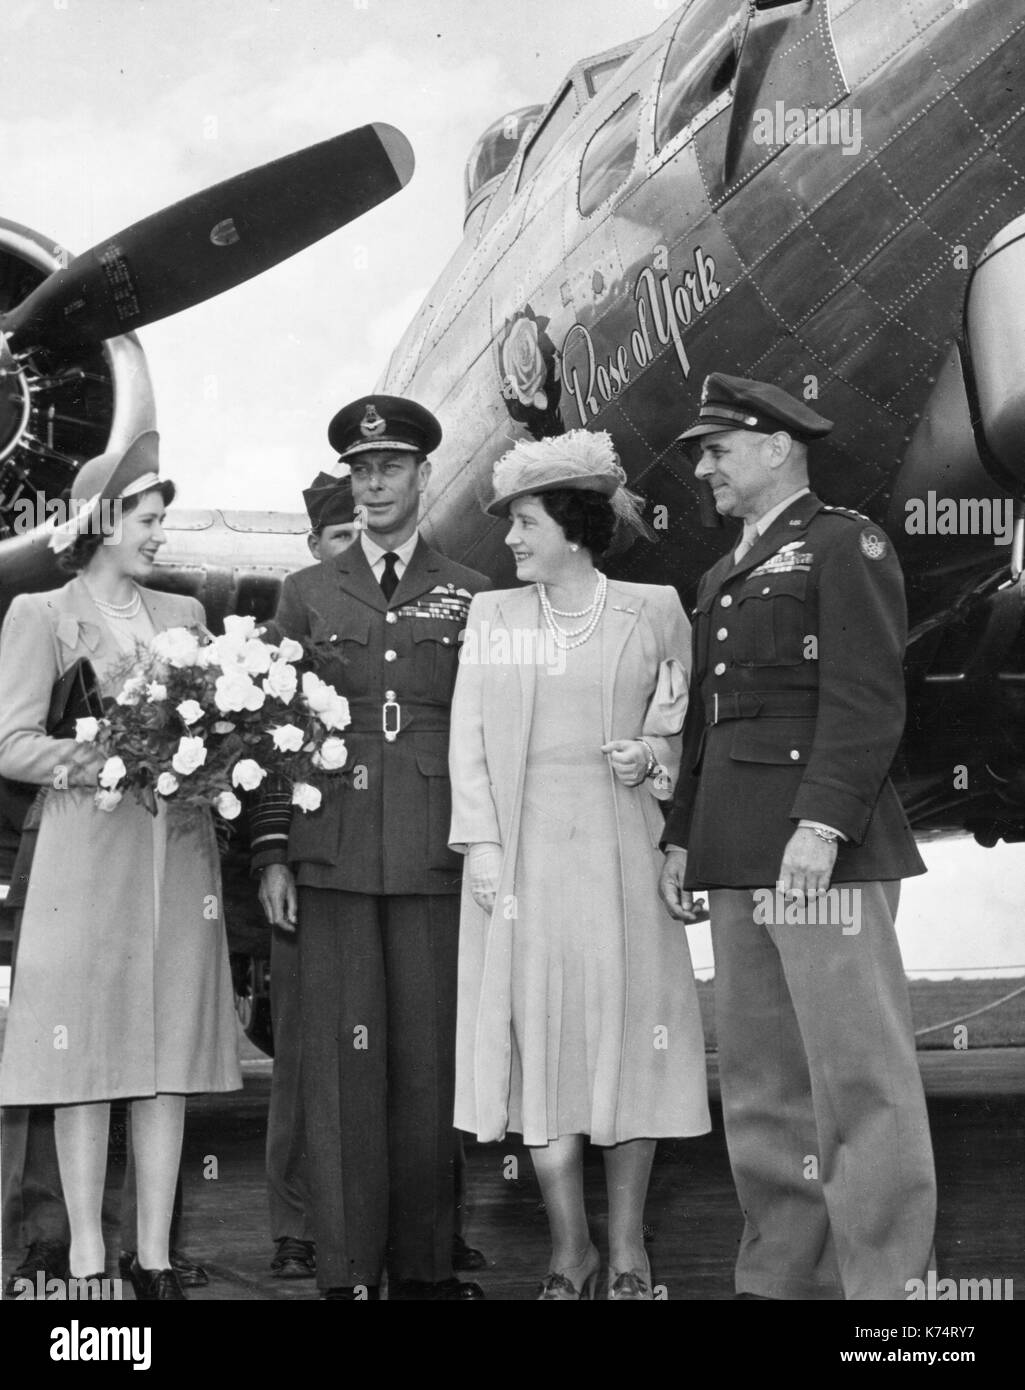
(872, 545)
(372, 426)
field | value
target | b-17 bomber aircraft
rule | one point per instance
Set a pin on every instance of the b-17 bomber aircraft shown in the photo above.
(828, 194)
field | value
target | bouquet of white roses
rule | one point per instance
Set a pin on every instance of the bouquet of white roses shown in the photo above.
(198, 719)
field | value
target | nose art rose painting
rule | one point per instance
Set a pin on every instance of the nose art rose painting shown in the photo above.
(529, 368)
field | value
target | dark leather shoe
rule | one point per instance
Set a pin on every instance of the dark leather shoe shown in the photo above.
(295, 1259)
(760, 1297)
(465, 1256)
(155, 1285)
(368, 1293)
(444, 1291)
(46, 1257)
(190, 1275)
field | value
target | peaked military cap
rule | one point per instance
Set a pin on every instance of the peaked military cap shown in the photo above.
(738, 403)
(383, 422)
(329, 501)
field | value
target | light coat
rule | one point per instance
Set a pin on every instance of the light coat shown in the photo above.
(645, 650)
(122, 985)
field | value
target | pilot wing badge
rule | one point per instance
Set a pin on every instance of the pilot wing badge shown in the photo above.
(786, 559)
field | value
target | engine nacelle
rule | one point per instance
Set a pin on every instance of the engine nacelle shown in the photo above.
(995, 338)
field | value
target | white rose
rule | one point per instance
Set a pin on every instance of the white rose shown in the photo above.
(282, 681)
(239, 629)
(255, 698)
(231, 692)
(86, 730)
(317, 693)
(288, 738)
(226, 652)
(332, 754)
(176, 645)
(304, 796)
(106, 800)
(290, 650)
(247, 774)
(156, 691)
(228, 805)
(111, 773)
(167, 784)
(131, 691)
(256, 656)
(191, 711)
(336, 716)
(190, 755)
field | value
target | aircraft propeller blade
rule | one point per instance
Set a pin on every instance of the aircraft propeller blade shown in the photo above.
(213, 240)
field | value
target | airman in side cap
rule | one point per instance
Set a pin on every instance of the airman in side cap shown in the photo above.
(334, 525)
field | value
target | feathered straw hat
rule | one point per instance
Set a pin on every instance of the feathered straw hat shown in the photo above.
(580, 459)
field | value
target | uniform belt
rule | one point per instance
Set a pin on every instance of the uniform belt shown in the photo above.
(391, 717)
(751, 704)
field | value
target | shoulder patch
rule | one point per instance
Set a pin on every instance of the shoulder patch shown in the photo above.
(873, 544)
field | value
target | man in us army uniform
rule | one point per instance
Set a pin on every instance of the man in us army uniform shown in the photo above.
(796, 710)
(378, 889)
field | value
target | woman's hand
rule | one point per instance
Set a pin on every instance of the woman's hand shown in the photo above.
(485, 866)
(81, 768)
(629, 760)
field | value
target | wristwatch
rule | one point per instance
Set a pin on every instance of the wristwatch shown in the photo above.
(830, 836)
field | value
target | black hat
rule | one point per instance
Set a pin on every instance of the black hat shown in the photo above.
(737, 403)
(328, 501)
(383, 422)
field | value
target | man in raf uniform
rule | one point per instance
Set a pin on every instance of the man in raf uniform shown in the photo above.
(333, 528)
(796, 710)
(378, 888)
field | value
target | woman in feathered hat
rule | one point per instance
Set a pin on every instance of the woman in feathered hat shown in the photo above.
(122, 987)
(578, 1015)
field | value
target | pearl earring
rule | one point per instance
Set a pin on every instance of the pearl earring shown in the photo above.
(574, 547)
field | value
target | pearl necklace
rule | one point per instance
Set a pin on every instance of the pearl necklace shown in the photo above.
(124, 611)
(566, 638)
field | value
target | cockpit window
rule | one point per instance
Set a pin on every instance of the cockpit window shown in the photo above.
(700, 65)
(496, 149)
(599, 73)
(609, 157)
(555, 124)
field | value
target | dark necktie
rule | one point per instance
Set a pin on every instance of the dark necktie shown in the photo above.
(389, 579)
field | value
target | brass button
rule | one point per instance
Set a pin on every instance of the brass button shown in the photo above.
(390, 656)
(726, 600)
(720, 669)
(391, 618)
(795, 753)
(722, 634)
(767, 590)
(445, 640)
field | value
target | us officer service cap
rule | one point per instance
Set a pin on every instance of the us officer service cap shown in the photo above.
(383, 422)
(328, 501)
(738, 403)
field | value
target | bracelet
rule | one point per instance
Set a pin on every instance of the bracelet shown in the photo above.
(652, 767)
(830, 836)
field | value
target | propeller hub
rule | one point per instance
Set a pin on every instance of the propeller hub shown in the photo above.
(15, 400)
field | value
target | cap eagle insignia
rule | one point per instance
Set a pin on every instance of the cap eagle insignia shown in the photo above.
(372, 426)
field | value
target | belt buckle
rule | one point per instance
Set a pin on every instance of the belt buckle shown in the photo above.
(390, 703)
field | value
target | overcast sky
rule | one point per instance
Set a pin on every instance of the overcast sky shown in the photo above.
(114, 108)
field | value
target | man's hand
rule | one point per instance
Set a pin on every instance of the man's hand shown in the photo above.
(807, 864)
(628, 758)
(677, 899)
(278, 896)
(485, 867)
